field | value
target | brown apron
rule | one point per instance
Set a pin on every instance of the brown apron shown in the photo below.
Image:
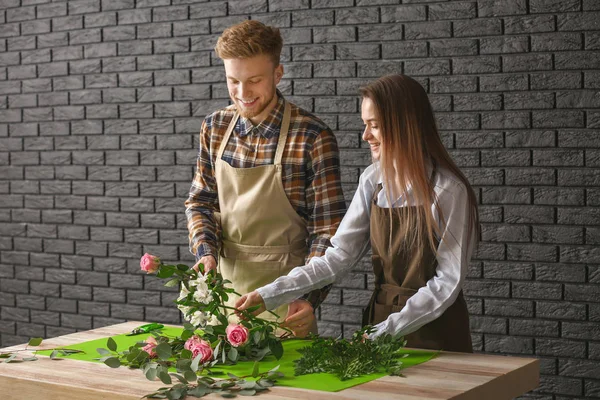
(399, 275)
(263, 237)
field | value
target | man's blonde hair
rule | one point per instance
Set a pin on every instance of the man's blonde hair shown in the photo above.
(249, 39)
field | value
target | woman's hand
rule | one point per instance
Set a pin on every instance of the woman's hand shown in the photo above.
(249, 300)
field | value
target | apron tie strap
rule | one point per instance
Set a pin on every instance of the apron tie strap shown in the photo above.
(245, 248)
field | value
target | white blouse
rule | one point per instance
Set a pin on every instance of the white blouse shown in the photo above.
(352, 241)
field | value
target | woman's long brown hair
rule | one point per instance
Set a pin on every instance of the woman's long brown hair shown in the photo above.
(409, 142)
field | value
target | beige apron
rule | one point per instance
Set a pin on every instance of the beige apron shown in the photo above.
(263, 237)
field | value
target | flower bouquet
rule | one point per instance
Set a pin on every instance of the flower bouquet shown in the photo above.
(213, 334)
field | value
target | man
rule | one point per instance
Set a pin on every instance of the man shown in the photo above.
(267, 192)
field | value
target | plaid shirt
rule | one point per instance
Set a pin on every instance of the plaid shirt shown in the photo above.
(311, 176)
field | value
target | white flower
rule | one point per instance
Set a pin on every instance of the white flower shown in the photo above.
(198, 319)
(213, 321)
(202, 294)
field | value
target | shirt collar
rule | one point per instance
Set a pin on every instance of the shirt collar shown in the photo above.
(270, 126)
(428, 168)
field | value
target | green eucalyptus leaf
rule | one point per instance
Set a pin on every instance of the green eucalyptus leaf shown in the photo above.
(103, 352)
(30, 359)
(276, 348)
(172, 283)
(111, 344)
(265, 382)
(190, 376)
(233, 354)
(174, 394)
(166, 271)
(180, 378)
(151, 374)
(246, 384)
(11, 358)
(35, 341)
(255, 369)
(198, 391)
(53, 354)
(247, 392)
(185, 335)
(113, 362)
(164, 377)
(228, 395)
(196, 363)
(163, 350)
(184, 364)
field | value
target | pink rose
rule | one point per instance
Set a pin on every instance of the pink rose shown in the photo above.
(198, 346)
(149, 263)
(149, 347)
(237, 335)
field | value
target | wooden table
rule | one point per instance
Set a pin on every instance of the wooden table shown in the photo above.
(448, 376)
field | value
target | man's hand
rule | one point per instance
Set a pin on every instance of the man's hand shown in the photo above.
(300, 318)
(249, 300)
(209, 264)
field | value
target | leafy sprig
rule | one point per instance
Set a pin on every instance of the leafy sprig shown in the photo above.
(349, 359)
(11, 356)
(228, 388)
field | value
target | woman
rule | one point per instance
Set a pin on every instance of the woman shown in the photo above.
(418, 213)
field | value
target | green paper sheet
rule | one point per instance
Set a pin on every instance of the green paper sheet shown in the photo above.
(324, 382)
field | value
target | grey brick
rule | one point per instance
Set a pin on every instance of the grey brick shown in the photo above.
(277, 19)
(509, 308)
(560, 272)
(427, 30)
(119, 64)
(577, 60)
(557, 119)
(191, 60)
(506, 195)
(453, 47)
(522, 327)
(356, 51)
(452, 10)
(312, 18)
(326, 52)
(488, 8)
(559, 348)
(20, 14)
(508, 344)
(404, 49)
(117, 33)
(100, 50)
(503, 82)
(138, 16)
(392, 32)
(505, 233)
(377, 68)
(173, 45)
(358, 15)
(477, 101)
(453, 84)
(527, 62)
(528, 100)
(484, 324)
(334, 34)
(504, 44)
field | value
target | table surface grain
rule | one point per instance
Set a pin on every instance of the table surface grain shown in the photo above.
(448, 376)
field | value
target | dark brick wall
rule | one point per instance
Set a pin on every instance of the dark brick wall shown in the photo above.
(101, 102)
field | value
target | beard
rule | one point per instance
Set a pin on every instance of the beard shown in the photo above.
(256, 110)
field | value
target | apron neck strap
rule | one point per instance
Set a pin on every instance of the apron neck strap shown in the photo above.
(236, 116)
(283, 133)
